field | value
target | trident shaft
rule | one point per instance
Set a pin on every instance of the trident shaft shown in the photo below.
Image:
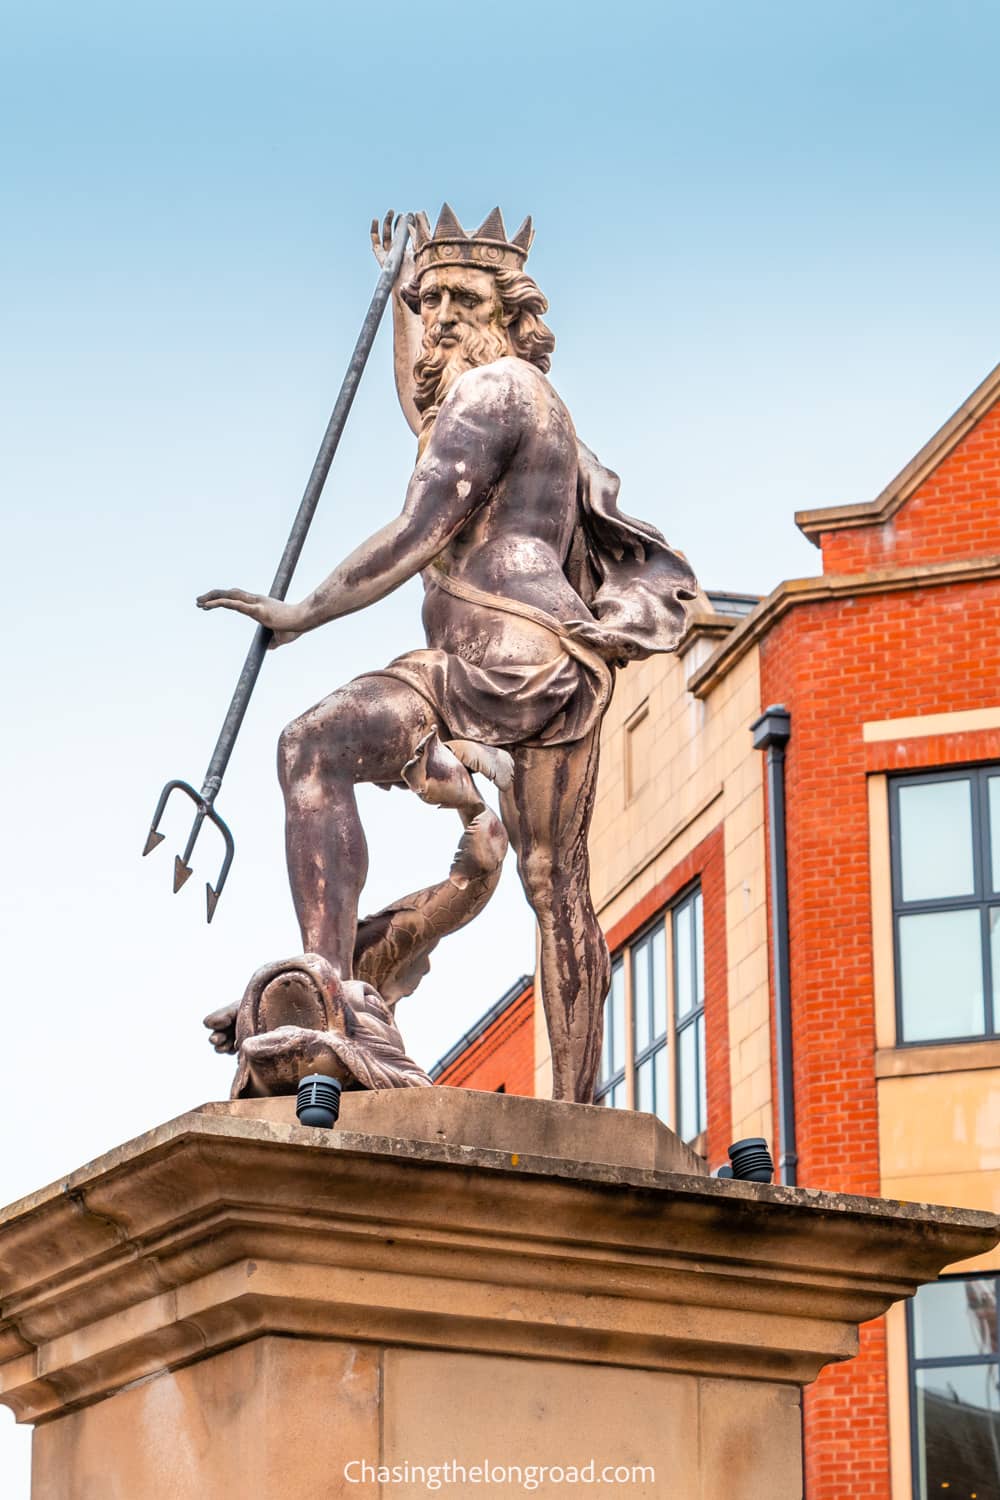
(204, 800)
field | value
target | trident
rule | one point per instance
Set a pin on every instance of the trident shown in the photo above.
(204, 800)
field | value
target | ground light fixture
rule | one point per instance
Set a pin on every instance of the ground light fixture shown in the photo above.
(750, 1161)
(318, 1100)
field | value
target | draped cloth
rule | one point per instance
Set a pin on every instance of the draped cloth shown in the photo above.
(628, 577)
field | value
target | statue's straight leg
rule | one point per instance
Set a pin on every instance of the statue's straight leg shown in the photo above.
(547, 813)
(366, 731)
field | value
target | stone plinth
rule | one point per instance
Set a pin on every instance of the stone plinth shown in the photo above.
(234, 1305)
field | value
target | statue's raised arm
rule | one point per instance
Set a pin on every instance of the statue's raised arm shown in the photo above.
(406, 328)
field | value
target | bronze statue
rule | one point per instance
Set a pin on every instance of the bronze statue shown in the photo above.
(536, 589)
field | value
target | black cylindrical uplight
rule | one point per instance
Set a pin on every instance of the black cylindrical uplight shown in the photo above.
(752, 1160)
(318, 1100)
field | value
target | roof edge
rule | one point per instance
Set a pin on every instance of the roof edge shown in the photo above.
(507, 999)
(824, 588)
(871, 512)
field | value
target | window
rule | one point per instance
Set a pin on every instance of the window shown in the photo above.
(955, 1388)
(649, 1023)
(657, 994)
(945, 834)
(611, 1078)
(689, 1013)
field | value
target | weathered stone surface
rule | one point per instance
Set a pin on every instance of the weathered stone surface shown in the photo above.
(499, 1122)
(268, 1419)
(233, 1304)
(215, 1228)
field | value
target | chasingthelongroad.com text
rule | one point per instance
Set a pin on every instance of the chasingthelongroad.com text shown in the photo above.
(511, 1476)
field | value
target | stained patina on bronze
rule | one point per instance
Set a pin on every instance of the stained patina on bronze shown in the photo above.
(537, 589)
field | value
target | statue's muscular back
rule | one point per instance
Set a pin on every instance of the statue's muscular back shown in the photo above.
(503, 430)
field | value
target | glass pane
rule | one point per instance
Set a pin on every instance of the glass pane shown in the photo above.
(687, 1084)
(955, 1317)
(699, 951)
(941, 975)
(644, 1086)
(658, 942)
(617, 1002)
(640, 995)
(995, 950)
(684, 985)
(616, 1098)
(702, 1077)
(606, 1069)
(994, 786)
(958, 1432)
(662, 1085)
(935, 828)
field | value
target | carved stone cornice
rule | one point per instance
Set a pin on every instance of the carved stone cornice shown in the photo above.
(217, 1228)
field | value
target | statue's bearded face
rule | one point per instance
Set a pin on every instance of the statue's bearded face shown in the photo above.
(464, 326)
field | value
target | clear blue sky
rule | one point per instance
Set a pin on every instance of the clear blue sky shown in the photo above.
(768, 233)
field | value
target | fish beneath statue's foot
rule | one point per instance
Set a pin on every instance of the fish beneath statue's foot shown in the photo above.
(298, 1017)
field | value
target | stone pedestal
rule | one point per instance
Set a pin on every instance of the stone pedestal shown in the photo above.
(446, 1282)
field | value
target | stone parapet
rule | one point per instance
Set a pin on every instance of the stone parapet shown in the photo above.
(420, 1224)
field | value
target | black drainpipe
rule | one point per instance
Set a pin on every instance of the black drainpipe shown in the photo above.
(771, 732)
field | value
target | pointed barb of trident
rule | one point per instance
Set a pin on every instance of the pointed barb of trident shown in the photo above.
(204, 800)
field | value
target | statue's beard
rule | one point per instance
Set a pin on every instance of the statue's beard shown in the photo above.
(440, 365)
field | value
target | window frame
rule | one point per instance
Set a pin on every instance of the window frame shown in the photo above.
(666, 1037)
(690, 897)
(984, 895)
(659, 1040)
(944, 1362)
(606, 1086)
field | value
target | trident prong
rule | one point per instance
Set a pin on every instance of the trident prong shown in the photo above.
(182, 868)
(204, 799)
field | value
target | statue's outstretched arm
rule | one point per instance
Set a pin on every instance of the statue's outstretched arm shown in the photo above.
(407, 333)
(473, 438)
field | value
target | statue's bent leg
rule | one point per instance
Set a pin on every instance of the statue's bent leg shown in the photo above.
(547, 813)
(365, 731)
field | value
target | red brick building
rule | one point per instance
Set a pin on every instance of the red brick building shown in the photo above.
(498, 1053)
(888, 664)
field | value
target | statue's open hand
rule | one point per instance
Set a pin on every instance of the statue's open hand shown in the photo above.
(382, 241)
(276, 614)
(222, 1025)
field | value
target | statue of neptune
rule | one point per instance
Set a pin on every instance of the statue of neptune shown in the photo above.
(537, 588)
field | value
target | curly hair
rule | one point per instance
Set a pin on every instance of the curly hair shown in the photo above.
(523, 304)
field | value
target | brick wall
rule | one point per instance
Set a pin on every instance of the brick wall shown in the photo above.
(955, 513)
(503, 1055)
(835, 665)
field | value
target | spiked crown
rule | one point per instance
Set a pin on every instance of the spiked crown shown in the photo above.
(487, 247)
